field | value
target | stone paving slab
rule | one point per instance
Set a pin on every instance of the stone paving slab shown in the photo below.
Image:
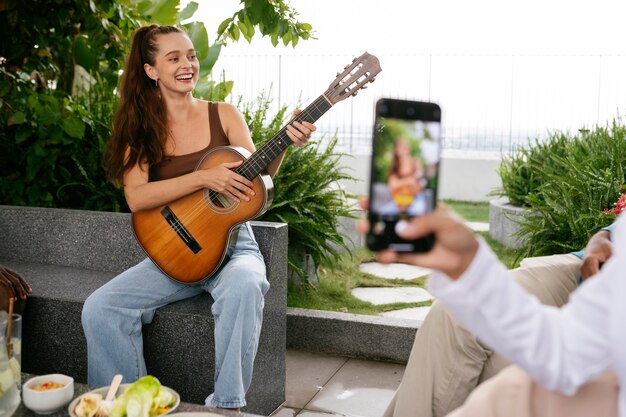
(415, 313)
(393, 271)
(381, 295)
(478, 226)
(360, 388)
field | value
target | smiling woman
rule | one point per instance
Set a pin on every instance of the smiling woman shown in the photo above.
(160, 133)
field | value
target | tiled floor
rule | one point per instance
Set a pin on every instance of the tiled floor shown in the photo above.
(323, 386)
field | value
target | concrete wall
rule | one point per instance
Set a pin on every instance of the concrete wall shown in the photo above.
(464, 176)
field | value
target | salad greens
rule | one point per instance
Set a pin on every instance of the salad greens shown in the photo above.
(144, 398)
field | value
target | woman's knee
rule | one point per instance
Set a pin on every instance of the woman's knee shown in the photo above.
(249, 278)
(99, 306)
(93, 309)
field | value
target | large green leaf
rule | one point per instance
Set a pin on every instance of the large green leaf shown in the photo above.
(187, 12)
(198, 34)
(214, 53)
(74, 127)
(163, 12)
(83, 54)
(17, 118)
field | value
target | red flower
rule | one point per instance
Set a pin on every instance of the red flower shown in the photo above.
(619, 206)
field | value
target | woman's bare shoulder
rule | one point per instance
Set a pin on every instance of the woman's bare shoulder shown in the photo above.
(229, 115)
(227, 109)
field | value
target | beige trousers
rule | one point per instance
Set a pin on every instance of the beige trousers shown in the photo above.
(513, 393)
(447, 362)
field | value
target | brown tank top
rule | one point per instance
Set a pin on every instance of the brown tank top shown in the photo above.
(173, 166)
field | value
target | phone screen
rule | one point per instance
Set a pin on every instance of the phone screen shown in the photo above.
(404, 171)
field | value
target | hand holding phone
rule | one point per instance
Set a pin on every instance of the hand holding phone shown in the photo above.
(404, 172)
(455, 246)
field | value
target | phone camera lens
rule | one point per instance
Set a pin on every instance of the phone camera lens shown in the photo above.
(382, 109)
(410, 111)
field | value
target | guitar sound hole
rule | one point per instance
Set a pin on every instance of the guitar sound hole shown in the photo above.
(221, 201)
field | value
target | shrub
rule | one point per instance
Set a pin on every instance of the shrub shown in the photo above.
(566, 183)
(50, 149)
(521, 170)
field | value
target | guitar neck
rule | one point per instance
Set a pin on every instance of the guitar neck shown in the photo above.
(258, 161)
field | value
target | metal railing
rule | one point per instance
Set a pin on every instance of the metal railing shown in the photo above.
(489, 102)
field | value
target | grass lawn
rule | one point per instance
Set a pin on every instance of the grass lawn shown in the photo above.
(470, 211)
(333, 292)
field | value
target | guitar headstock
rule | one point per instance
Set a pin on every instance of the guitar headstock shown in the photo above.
(354, 77)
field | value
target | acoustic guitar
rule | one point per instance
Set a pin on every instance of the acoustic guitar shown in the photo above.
(188, 239)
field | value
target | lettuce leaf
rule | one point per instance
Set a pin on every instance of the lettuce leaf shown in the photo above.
(140, 398)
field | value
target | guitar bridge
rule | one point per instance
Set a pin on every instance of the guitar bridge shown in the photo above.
(180, 230)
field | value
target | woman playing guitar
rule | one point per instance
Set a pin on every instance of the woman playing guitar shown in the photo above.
(159, 133)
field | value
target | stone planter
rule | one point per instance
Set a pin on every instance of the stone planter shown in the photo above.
(503, 222)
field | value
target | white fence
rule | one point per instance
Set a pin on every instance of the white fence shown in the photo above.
(489, 102)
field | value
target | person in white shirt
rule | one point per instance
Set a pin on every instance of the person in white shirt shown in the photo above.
(447, 361)
(570, 361)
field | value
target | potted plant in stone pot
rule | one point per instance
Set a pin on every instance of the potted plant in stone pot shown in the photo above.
(555, 191)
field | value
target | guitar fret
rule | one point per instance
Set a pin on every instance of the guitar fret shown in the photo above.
(259, 160)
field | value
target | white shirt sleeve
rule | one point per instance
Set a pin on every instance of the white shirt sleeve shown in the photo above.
(561, 349)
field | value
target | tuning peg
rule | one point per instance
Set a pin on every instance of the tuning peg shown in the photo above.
(364, 86)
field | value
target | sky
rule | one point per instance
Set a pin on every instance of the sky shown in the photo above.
(449, 26)
(501, 70)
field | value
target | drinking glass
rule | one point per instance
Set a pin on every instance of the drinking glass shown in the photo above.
(15, 351)
(9, 394)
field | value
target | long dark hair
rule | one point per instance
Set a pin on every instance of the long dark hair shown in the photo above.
(140, 124)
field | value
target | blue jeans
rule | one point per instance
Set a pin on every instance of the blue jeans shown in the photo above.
(113, 316)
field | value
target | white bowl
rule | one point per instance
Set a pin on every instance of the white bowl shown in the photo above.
(103, 391)
(48, 401)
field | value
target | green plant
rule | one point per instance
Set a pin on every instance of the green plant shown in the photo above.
(60, 62)
(273, 18)
(50, 149)
(307, 195)
(521, 170)
(571, 180)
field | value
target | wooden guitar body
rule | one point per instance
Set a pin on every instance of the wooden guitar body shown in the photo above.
(188, 238)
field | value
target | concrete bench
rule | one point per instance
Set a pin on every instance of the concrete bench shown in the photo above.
(67, 254)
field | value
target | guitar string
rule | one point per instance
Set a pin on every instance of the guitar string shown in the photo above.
(320, 105)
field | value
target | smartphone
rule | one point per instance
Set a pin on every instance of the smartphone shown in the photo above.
(404, 171)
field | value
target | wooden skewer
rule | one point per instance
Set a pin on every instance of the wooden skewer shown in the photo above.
(10, 326)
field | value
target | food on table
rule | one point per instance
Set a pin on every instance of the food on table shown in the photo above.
(144, 398)
(87, 405)
(46, 386)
